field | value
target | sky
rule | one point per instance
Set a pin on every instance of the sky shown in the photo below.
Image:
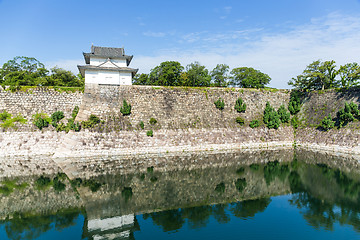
(279, 37)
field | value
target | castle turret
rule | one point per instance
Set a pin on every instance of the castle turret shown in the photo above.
(105, 65)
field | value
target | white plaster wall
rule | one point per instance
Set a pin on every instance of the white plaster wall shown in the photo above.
(108, 77)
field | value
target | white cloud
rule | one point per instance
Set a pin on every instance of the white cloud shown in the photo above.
(154, 34)
(281, 55)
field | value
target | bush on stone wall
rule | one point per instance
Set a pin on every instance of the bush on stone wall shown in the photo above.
(295, 122)
(240, 106)
(152, 121)
(41, 120)
(125, 109)
(240, 120)
(56, 117)
(283, 114)
(271, 117)
(254, 124)
(295, 102)
(219, 104)
(141, 124)
(347, 114)
(327, 123)
(91, 122)
(7, 121)
(150, 133)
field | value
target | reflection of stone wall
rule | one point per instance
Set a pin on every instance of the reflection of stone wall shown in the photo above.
(187, 187)
(31, 201)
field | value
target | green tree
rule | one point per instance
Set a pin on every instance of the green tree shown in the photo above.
(22, 71)
(349, 75)
(166, 74)
(141, 79)
(248, 77)
(327, 123)
(219, 75)
(283, 114)
(271, 117)
(317, 76)
(62, 77)
(197, 76)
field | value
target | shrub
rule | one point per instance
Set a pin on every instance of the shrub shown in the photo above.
(354, 109)
(295, 122)
(295, 102)
(254, 124)
(153, 179)
(58, 185)
(150, 169)
(219, 104)
(283, 114)
(56, 117)
(125, 109)
(327, 123)
(42, 182)
(9, 121)
(150, 133)
(240, 106)
(92, 122)
(240, 121)
(152, 121)
(141, 124)
(240, 184)
(75, 112)
(254, 166)
(240, 170)
(271, 117)
(345, 115)
(220, 188)
(92, 184)
(127, 193)
(41, 120)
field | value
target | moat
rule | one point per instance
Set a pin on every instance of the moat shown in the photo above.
(277, 194)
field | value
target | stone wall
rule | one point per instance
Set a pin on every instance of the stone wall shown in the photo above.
(177, 107)
(36, 100)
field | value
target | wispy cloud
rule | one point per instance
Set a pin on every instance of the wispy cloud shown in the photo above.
(154, 34)
(281, 55)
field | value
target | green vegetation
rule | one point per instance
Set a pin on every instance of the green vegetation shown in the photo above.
(248, 77)
(255, 166)
(152, 121)
(41, 120)
(92, 184)
(295, 122)
(347, 114)
(283, 114)
(240, 184)
(7, 186)
(240, 120)
(219, 104)
(43, 182)
(153, 179)
(322, 75)
(240, 170)
(254, 124)
(274, 170)
(56, 117)
(150, 133)
(171, 73)
(7, 121)
(220, 188)
(27, 71)
(150, 169)
(91, 122)
(125, 109)
(295, 102)
(327, 123)
(141, 124)
(271, 117)
(127, 193)
(240, 106)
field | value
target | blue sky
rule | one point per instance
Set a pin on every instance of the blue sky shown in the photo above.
(277, 37)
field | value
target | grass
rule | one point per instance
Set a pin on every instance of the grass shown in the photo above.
(8, 186)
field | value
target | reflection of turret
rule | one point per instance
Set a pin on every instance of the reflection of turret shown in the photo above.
(119, 227)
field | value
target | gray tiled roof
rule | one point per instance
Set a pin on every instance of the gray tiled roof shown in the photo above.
(82, 69)
(107, 52)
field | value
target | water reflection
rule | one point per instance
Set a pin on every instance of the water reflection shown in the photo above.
(325, 189)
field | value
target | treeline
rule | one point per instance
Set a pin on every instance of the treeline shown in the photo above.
(324, 75)
(27, 71)
(172, 73)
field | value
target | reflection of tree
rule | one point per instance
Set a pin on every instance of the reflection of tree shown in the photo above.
(30, 227)
(219, 213)
(169, 220)
(274, 170)
(249, 208)
(198, 216)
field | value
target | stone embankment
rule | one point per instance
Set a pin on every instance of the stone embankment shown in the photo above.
(186, 120)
